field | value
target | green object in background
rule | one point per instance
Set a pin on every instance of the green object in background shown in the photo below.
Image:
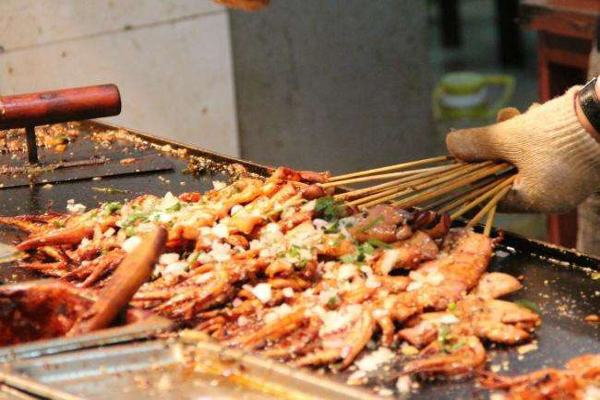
(464, 95)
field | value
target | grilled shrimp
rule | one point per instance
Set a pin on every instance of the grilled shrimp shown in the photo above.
(459, 358)
(579, 381)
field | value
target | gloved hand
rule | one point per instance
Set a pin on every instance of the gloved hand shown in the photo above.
(558, 161)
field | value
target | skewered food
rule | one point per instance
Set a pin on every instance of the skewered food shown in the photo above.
(275, 267)
(580, 380)
(46, 310)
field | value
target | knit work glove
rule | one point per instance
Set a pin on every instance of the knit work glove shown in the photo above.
(558, 161)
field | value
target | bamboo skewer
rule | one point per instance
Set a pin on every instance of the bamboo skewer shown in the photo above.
(385, 176)
(452, 186)
(391, 168)
(488, 206)
(483, 197)
(410, 185)
(421, 197)
(489, 221)
(457, 197)
(382, 186)
(469, 195)
(422, 184)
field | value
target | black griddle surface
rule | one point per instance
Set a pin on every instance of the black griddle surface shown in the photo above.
(565, 294)
(558, 281)
(54, 196)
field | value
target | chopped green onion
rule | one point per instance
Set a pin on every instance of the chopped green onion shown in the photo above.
(330, 209)
(451, 348)
(367, 249)
(528, 304)
(443, 333)
(452, 306)
(370, 225)
(129, 231)
(333, 228)
(174, 207)
(135, 218)
(193, 258)
(333, 301)
(109, 190)
(378, 243)
(348, 258)
(112, 207)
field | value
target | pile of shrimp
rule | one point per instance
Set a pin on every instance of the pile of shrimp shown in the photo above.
(580, 380)
(278, 267)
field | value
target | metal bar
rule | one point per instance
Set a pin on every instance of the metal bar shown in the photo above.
(32, 153)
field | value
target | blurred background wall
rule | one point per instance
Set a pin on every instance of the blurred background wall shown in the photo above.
(337, 84)
(170, 58)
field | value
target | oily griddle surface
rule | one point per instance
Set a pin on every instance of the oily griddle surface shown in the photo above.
(39, 198)
(565, 294)
(559, 282)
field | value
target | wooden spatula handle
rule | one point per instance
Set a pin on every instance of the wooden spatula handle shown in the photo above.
(133, 271)
(56, 106)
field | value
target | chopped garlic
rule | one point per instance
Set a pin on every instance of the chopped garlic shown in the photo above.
(373, 360)
(334, 321)
(168, 201)
(408, 350)
(277, 313)
(288, 292)
(448, 319)
(221, 231)
(237, 302)
(176, 268)
(218, 185)
(242, 321)
(357, 378)
(497, 396)
(235, 209)
(220, 252)
(346, 272)
(592, 392)
(73, 208)
(372, 283)
(389, 260)
(262, 291)
(168, 258)
(131, 244)
(320, 223)
(109, 232)
(414, 286)
(404, 384)
(526, 348)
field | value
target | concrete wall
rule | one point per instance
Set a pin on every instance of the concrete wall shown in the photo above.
(170, 58)
(336, 84)
(321, 84)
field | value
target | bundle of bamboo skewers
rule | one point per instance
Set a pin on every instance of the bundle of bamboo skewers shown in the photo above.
(442, 184)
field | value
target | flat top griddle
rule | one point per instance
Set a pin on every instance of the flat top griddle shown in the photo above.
(558, 281)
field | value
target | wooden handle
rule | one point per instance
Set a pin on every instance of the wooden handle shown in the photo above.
(56, 106)
(133, 271)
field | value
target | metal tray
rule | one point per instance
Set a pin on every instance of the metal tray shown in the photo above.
(142, 328)
(168, 370)
(556, 279)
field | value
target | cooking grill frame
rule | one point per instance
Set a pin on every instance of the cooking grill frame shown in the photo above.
(542, 260)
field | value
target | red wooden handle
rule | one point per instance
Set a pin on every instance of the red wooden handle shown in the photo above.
(59, 106)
